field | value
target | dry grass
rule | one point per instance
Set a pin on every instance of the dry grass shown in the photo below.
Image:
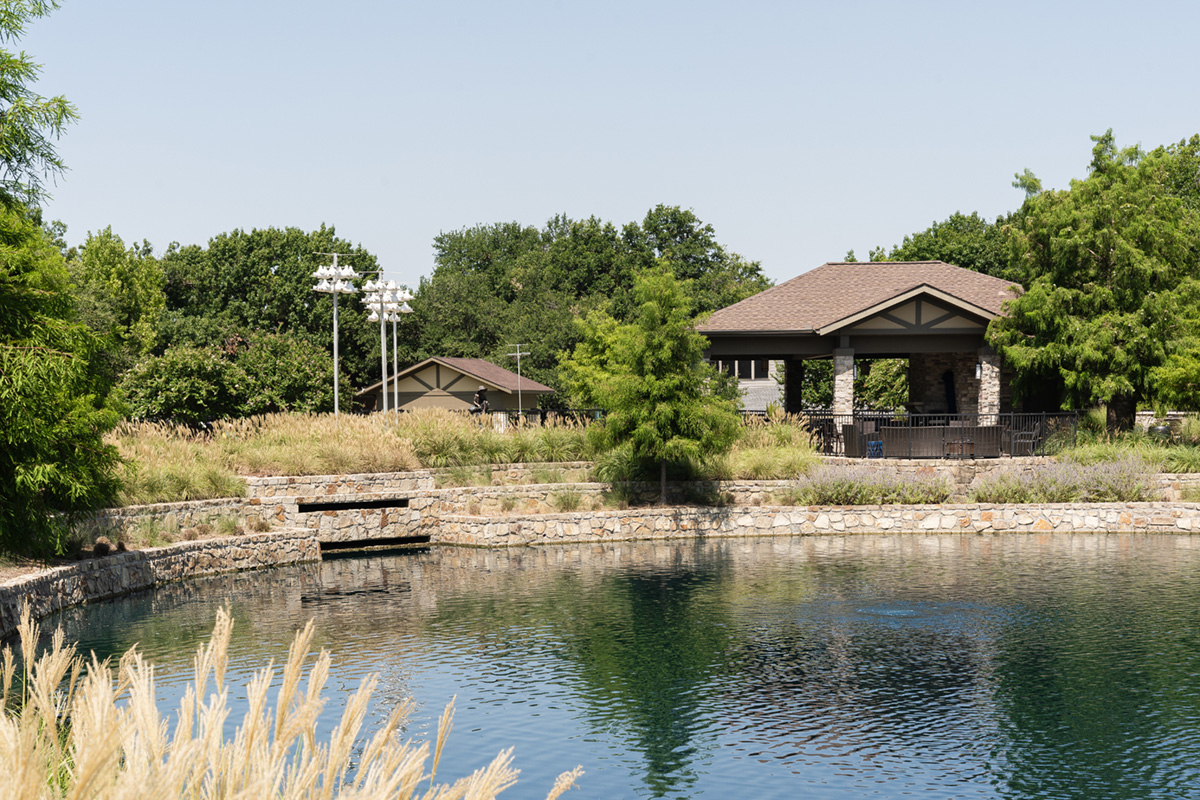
(172, 462)
(71, 729)
(169, 462)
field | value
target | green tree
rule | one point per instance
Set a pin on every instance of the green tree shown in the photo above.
(964, 240)
(651, 376)
(1105, 263)
(119, 295)
(130, 280)
(285, 374)
(261, 280)
(720, 278)
(882, 384)
(28, 122)
(263, 373)
(53, 460)
(498, 285)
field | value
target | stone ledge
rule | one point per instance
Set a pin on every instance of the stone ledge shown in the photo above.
(660, 523)
(122, 573)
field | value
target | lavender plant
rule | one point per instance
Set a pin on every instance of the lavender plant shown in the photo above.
(858, 486)
(1122, 480)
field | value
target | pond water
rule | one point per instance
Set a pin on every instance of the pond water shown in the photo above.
(868, 666)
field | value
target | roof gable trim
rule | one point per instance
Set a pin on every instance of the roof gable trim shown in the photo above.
(895, 300)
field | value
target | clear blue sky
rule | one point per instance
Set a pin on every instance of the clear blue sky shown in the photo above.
(798, 130)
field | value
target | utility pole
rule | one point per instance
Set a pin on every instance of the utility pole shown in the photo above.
(518, 354)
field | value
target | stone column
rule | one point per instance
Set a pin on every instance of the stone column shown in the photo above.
(989, 386)
(843, 382)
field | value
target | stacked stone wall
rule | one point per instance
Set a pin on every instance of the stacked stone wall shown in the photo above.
(168, 516)
(121, 573)
(426, 506)
(925, 371)
(666, 523)
(312, 485)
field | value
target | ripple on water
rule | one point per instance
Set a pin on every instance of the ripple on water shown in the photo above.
(995, 667)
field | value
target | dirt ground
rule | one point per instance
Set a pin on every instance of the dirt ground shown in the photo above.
(12, 567)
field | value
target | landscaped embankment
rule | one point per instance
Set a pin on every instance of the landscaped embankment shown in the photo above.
(121, 573)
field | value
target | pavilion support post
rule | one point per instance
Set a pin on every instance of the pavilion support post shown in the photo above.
(793, 385)
(989, 386)
(843, 382)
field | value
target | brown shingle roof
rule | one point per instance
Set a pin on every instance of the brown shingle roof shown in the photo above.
(488, 372)
(837, 290)
(480, 370)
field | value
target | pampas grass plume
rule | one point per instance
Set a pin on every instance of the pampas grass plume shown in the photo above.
(71, 731)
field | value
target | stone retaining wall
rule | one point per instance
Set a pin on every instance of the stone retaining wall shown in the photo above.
(666, 523)
(350, 524)
(121, 573)
(277, 503)
(311, 485)
(168, 516)
(392, 483)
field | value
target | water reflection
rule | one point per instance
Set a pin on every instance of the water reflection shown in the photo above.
(946, 666)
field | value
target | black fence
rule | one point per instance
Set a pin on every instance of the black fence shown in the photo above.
(867, 435)
(542, 416)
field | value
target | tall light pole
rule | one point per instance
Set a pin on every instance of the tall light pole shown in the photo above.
(402, 296)
(335, 281)
(382, 302)
(518, 354)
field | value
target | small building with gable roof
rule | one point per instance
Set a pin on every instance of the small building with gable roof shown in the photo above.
(451, 383)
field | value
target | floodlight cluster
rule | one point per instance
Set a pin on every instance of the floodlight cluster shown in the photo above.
(387, 301)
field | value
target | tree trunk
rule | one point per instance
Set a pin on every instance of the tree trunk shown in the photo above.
(662, 482)
(1121, 413)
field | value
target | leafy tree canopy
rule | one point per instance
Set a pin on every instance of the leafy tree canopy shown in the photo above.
(53, 460)
(967, 241)
(499, 285)
(29, 123)
(119, 295)
(264, 373)
(261, 280)
(1107, 265)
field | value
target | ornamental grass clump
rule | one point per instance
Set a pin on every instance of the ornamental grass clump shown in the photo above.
(442, 438)
(776, 447)
(164, 462)
(73, 729)
(1124, 480)
(838, 485)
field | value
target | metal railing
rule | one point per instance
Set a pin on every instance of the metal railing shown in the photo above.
(882, 435)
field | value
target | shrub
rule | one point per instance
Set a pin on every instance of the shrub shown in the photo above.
(1189, 429)
(567, 499)
(1125, 480)
(858, 486)
(185, 384)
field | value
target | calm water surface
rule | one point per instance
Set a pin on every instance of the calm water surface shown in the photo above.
(867, 666)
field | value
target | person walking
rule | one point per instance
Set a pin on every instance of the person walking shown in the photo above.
(479, 404)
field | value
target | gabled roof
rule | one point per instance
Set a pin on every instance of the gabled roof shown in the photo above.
(484, 372)
(840, 293)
